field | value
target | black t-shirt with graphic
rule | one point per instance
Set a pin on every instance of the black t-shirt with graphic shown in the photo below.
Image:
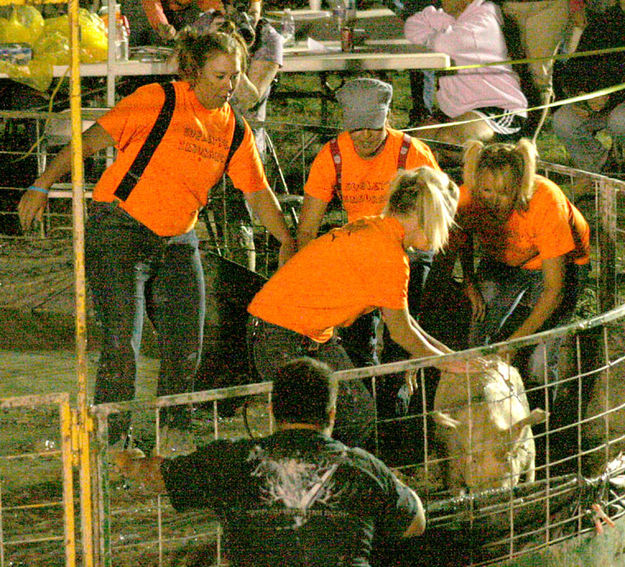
(296, 498)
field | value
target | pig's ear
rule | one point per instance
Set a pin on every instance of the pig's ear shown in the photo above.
(536, 416)
(445, 420)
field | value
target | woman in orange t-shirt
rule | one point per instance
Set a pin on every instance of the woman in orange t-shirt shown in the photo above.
(535, 246)
(141, 249)
(347, 272)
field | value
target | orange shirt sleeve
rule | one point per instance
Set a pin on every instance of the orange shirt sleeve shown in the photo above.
(419, 155)
(322, 176)
(246, 168)
(134, 116)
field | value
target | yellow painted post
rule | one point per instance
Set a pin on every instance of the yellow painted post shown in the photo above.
(84, 420)
(86, 505)
(68, 485)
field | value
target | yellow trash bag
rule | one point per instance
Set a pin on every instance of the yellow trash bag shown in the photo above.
(54, 47)
(37, 74)
(24, 26)
(93, 44)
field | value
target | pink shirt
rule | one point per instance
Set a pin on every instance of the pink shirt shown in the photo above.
(474, 38)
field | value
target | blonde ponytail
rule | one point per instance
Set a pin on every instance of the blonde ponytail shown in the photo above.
(429, 196)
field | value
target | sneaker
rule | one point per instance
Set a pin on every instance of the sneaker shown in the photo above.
(174, 442)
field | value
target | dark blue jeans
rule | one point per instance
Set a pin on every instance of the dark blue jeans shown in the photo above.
(510, 294)
(270, 346)
(131, 272)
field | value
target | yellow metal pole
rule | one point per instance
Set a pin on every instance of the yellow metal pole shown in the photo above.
(68, 484)
(86, 506)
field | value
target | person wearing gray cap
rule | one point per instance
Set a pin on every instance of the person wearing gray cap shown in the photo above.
(358, 166)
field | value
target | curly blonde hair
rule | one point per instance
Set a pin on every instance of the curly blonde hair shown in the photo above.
(430, 196)
(513, 167)
(194, 48)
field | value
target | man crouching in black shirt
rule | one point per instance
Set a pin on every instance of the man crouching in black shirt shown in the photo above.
(294, 498)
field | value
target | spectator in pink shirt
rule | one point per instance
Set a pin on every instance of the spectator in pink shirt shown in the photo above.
(487, 99)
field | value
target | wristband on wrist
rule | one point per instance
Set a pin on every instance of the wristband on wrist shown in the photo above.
(38, 189)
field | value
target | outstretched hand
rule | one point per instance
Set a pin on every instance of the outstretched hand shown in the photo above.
(31, 207)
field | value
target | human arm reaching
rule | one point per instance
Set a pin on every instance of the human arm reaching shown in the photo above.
(33, 202)
(255, 83)
(310, 219)
(408, 334)
(266, 206)
(553, 286)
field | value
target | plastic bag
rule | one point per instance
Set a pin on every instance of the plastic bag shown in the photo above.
(24, 26)
(54, 47)
(37, 74)
(51, 44)
(93, 44)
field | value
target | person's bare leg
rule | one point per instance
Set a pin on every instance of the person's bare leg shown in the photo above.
(468, 126)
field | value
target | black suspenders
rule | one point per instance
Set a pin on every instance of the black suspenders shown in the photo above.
(154, 138)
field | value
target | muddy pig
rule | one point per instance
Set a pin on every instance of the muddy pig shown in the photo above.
(483, 426)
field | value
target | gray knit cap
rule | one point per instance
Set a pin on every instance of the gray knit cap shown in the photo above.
(365, 103)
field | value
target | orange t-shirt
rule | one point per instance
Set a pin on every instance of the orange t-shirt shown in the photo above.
(365, 182)
(187, 163)
(336, 278)
(551, 227)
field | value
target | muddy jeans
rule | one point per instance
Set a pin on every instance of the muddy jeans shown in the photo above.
(131, 272)
(271, 346)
